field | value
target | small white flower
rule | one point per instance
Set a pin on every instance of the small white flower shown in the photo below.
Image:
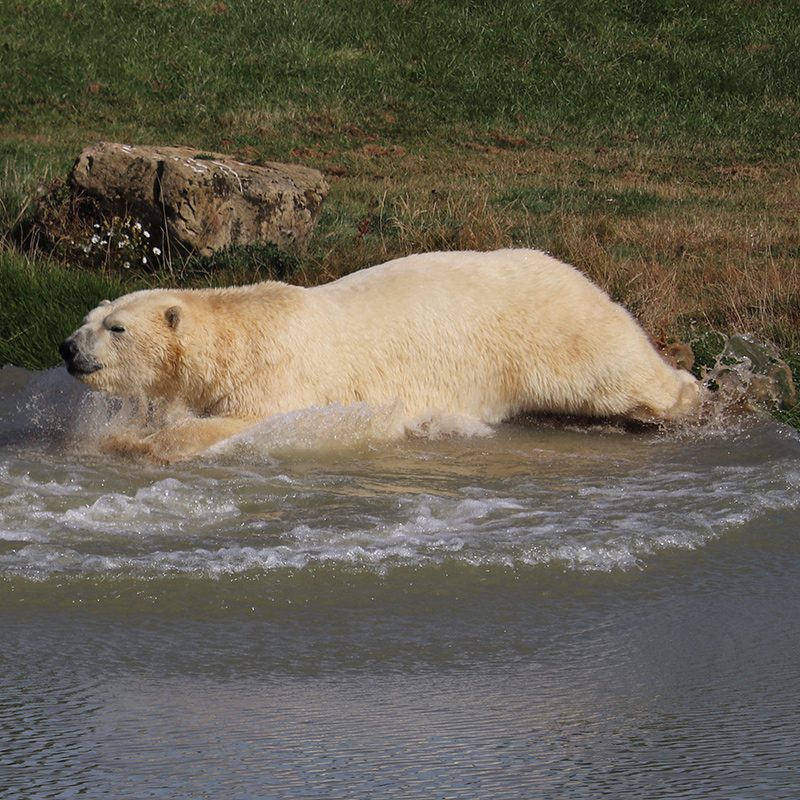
(95, 238)
(156, 251)
(137, 225)
(146, 234)
(127, 265)
(144, 259)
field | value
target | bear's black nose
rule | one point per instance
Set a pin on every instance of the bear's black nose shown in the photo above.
(68, 349)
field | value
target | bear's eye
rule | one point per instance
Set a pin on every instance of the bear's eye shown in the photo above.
(117, 329)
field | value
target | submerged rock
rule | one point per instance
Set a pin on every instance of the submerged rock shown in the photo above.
(754, 371)
(199, 201)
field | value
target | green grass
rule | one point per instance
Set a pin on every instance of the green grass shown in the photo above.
(584, 200)
(275, 75)
(41, 304)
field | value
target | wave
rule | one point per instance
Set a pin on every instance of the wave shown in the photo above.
(328, 487)
(203, 529)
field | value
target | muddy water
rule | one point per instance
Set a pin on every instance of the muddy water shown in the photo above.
(533, 611)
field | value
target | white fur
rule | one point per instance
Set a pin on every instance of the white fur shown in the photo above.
(485, 335)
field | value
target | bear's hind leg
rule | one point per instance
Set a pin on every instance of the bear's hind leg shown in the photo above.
(675, 395)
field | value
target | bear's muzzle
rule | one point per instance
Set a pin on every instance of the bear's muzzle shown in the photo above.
(77, 362)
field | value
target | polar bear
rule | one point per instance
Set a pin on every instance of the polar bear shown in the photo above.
(485, 335)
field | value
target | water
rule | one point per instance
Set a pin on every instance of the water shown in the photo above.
(535, 611)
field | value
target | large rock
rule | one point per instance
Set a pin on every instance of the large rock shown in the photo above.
(203, 202)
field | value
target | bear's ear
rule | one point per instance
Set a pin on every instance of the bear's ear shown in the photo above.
(105, 303)
(173, 316)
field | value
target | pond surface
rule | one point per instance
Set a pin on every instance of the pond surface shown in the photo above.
(546, 611)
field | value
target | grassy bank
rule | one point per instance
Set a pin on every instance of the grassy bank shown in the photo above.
(654, 148)
(275, 75)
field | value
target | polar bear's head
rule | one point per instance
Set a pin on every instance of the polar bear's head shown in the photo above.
(130, 346)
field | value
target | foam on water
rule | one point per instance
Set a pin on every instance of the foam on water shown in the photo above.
(209, 529)
(331, 486)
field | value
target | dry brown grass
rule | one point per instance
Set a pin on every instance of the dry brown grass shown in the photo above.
(682, 240)
(693, 244)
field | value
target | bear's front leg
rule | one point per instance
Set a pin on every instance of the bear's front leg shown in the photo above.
(176, 443)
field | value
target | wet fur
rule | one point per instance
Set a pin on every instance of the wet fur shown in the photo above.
(486, 335)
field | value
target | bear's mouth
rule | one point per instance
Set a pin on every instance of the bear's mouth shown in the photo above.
(77, 370)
